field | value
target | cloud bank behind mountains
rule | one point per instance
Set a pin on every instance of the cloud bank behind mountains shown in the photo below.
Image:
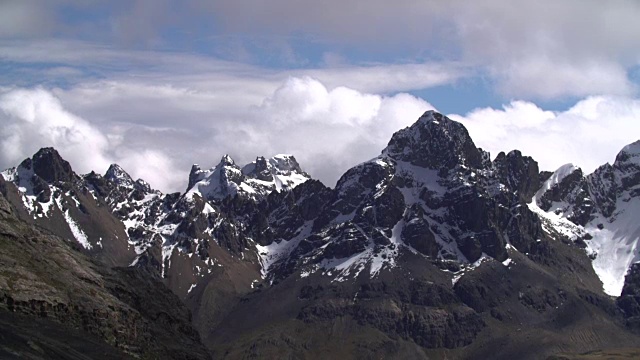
(156, 132)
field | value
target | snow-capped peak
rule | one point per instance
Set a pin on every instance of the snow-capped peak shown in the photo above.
(630, 153)
(254, 180)
(117, 174)
(281, 164)
(285, 163)
(226, 161)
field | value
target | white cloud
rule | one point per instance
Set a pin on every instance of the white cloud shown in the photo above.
(205, 74)
(330, 131)
(548, 78)
(35, 118)
(156, 132)
(589, 134)
(153, 166)
(390, 78)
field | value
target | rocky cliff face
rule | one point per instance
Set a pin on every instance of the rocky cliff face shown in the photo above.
(601, 209)
(429, 249)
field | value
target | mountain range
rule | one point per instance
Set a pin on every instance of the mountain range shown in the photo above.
(430, 250)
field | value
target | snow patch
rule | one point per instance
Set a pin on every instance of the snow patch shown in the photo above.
(80, 236)
(616, 245)
(193, 286)
(469, 268)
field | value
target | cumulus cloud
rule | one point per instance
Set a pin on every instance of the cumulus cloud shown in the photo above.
(156, 132)
(330, 130)
(589, 134)
(327, 129)
(35, 118)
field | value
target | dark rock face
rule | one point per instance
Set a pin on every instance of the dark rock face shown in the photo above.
(417, 234)
(436, 142)
(524, 229)
(629, 300)
(519, 173)
(261, 170)
(428, 327)
(48, 165)
(604, 189)
(194, 175)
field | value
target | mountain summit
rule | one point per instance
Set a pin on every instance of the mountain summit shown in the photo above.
(435, 142)
(254, 180)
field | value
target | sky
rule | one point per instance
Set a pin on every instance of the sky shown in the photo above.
(157, 85)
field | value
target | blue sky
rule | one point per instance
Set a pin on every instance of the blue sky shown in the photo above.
(158, 84)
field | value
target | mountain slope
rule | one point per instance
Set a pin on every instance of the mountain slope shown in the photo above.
(59, 303)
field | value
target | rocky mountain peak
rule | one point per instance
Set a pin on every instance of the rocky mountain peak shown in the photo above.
(285, 164)
(265, 169)
(431, 228)
(50, 166)
(226, 161)
(628, 164)
(117, 174)
(629, 153)
(435, 142)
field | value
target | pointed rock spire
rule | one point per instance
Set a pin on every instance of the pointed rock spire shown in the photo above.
(117, 174)
(226, 161)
